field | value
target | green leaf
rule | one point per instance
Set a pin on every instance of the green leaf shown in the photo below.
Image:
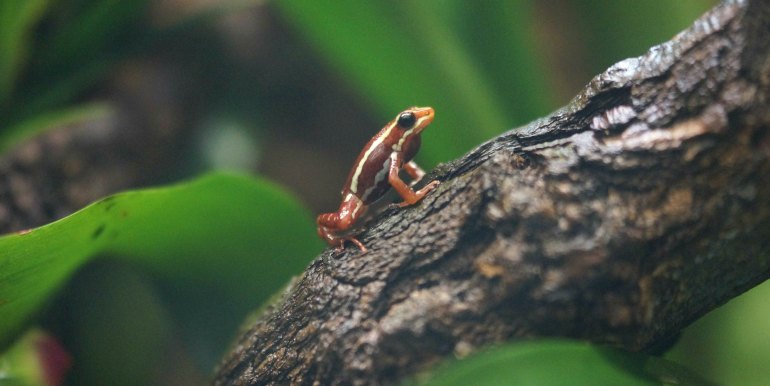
(51, 120)
(17, 18)
(234, 234)
(621, 28)
(730, 344)
(90, 31)
(408, 53)
(81, 42)
(126, 332)
(500, 35)
(559, 362)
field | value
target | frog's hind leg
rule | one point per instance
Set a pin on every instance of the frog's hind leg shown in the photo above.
(331, 225)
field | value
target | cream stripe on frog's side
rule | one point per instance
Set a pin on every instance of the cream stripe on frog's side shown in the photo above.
(360, 166)
(381, 175)
(358, 207)
(397, 147)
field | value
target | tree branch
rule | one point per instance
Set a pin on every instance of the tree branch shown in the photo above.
(620, 219)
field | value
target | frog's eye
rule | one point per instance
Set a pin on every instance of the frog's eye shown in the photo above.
(406, 120)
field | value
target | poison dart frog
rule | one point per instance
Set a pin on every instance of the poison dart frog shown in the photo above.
(376, 171)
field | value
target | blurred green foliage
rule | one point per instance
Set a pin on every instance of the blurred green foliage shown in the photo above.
(730, 345)
(478, 64)
(414, 53)
(36, 359)
(121, 327)
(559, 362)
(484, 66)
(54, 51)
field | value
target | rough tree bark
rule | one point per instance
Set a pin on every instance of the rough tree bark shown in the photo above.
(619, 219)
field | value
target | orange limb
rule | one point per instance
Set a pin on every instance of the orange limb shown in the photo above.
(410, 196)
(414, 171)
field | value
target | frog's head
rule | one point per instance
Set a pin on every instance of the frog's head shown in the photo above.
(414, 119)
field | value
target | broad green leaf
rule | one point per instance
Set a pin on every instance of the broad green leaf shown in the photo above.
(234, 234)
(555, 362)
(17, 18)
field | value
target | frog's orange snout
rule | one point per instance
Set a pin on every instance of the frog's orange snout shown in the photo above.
(424, 112)
(424, 116)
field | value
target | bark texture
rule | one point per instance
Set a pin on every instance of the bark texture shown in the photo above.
(619, 219)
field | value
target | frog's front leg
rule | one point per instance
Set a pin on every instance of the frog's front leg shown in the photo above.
(414, 171)
(332, 225)
(410, 196)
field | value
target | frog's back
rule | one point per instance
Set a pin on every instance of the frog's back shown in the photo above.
(369, 180)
